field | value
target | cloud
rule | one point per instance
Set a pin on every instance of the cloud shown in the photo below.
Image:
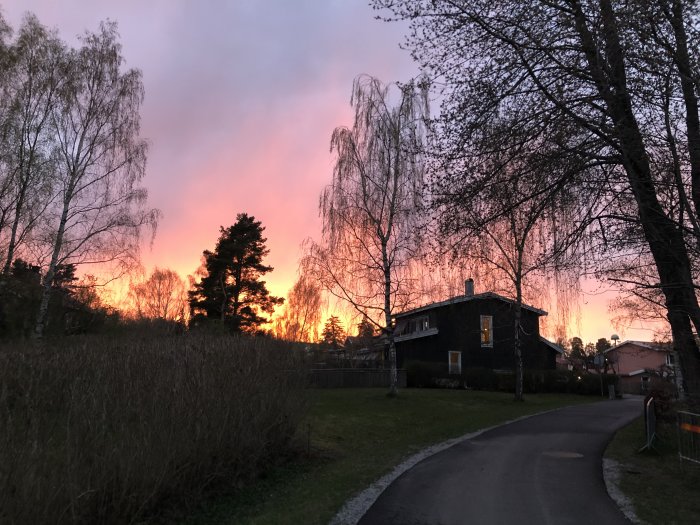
(241, 99)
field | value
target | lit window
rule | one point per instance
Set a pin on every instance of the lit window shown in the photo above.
(487, 330)
(455, 362)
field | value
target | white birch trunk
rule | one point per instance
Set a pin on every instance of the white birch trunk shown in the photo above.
(516, 340)
(47, 281)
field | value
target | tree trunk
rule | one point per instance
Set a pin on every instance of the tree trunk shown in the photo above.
(683, 340)
(224, 299)
(47, 281)
(682, 60)
(13, 233)
(516, 341)
(389, 328)
(23, 183)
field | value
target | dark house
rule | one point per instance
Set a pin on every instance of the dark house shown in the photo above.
(472, 330)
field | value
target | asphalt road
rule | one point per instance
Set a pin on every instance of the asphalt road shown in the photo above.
(541, 470)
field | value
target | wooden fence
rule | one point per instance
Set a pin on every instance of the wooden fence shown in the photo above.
(354, 377)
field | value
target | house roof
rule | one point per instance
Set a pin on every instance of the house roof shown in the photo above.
(552, 345)
(463, 299)
(656, 347)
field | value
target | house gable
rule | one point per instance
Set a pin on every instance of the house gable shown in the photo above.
(629, 357)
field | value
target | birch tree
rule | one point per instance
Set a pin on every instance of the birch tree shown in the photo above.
(162, 296)
(100, 209)
(34, 77)
(302, 311)
(503, 208)
(371, 208)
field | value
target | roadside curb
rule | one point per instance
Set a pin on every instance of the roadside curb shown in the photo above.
(611, 476)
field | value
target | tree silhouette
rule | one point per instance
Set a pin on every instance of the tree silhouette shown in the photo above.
(231, 289)
(30, 86)
(333, 333)
(621, 79)
(499, 208)
(162, 296)
(577, 348)
(602, 345)
(98, 207)
(371, 208)
(302, 311)
(365, 330)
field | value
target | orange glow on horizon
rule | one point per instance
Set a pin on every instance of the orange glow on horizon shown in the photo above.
(594, 321)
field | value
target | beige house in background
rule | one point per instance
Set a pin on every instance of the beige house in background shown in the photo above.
(643, 366)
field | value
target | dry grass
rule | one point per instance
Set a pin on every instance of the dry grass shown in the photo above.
(103, 431)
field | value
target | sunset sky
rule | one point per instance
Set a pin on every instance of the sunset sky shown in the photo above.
(241, 100)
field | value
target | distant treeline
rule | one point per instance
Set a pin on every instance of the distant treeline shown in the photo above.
(75, 307)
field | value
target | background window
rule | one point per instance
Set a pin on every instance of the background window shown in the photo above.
(486, 330)
(455, 362)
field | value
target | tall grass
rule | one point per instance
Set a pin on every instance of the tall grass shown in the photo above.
(98, 430)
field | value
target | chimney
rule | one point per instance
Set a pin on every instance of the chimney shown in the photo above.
(469, 287)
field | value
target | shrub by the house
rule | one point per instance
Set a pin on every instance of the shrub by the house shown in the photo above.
(436, 375)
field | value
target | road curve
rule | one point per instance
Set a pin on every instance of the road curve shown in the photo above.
(546, 469)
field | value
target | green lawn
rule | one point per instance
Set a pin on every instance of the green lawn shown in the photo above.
(353, 437)
(660, 491)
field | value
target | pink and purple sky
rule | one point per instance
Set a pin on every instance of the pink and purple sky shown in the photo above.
(241, 100)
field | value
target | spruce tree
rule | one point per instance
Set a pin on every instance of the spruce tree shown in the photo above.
(231, 289)
(333, 333)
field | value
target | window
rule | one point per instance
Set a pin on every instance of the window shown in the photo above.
(669, 360)
(414, 328)
(455, 362)
(419, 324)
(487, 330)
(423, 323)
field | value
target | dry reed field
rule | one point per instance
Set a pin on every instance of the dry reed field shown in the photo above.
(103, 430)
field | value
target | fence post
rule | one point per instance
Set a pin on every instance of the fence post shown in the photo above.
(649, 423)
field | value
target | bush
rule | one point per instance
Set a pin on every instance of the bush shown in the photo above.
(429, 374)
(589, 384)
(424, 373)
(101, 431)
(480, 378)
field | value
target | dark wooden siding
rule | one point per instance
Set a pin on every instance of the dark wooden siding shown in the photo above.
(459, 329)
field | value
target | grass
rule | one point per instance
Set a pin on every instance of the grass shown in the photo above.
(660, 491)
(353, 437)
